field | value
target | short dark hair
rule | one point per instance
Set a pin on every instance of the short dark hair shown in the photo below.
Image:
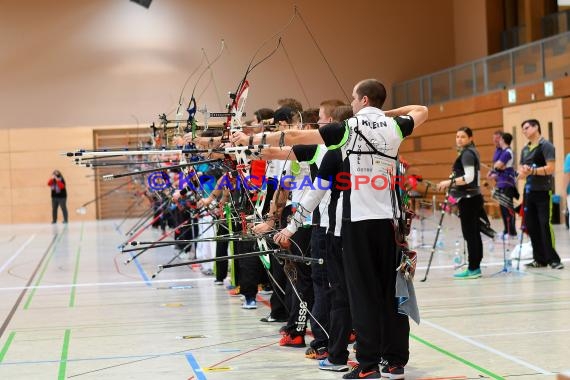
(534, 123)
(311, 117)
(467, 131)
(263, 114)
(373, 90)
(283, 114)
(498, 132)
(507, 138)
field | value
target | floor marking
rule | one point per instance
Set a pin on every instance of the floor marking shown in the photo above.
(491, 264)
(172, 304)
(20, 250)
(191, 336)
(93, 284)
(76, 269)
(487, 348)
(216, 369)
(141, 271)
(63, 360)
(519, 333)
(21, 296)
(7, 345)
(195, 367)
(456, 357)
(40, 277)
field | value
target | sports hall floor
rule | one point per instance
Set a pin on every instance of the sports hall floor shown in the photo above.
(72, 310)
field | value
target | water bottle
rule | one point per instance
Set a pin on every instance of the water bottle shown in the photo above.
(457, 259)
(440, 242)
(491, 246)
(414, 237)
(509, 262)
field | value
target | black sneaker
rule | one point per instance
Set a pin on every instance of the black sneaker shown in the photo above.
(358, 373)
(535, 264)
(557, 265)
(270, 319)
(393, 372)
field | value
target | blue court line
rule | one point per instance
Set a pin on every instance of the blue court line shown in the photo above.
(139, 268)
(195, 367)
(141, 271)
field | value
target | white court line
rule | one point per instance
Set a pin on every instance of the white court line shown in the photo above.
(487, 348)
(521, 333)
(483, 264)
(17, 253)
(92, 284)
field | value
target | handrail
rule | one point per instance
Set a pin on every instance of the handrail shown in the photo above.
(487, 74)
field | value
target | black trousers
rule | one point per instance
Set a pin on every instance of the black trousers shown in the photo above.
(221, 267)
(538, 211)
(250, 269)
(279, 309)
(340, 320)
(320, 279)
(58, 202)
(300, 274)
(508, 213)
(370, 262)
(470, 209)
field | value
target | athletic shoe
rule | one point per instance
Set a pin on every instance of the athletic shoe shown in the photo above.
(270, 319)
(326, 365)
(358, 373)
(557, 265)
(316, 353)
(251, 304)
(218, 282)
(264, 289)
(234, 292)
(535, 264)
(393, 372)
(289, 341)
(468, 274)
(351, 363)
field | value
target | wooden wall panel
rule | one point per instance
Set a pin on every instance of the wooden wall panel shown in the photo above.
(5, 195)
(485, 119)
(118, 202)
(4, 164)
(4, 140)
(5, 214)
(566, 109)
(27, 158)
(466, 106)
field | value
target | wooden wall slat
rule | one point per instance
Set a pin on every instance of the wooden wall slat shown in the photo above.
(115, 205)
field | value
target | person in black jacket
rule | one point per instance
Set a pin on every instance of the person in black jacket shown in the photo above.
(464, 186)
(58, 196)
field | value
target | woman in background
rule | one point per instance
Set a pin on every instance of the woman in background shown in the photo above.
(464, 186)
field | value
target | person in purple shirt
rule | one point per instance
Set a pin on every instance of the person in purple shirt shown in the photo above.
(497, 141)
(505, 178)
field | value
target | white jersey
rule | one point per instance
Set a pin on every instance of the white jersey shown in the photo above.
(369, 143)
